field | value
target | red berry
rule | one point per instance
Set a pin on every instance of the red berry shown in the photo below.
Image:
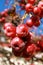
(31, 1)
(29, 22)
(17, 44)
(41, 14)
(4, 14)
(38, 49)
(22, 30)
(36, 10)
(32, 64)
(16, 53)
(3, 19)
(27, 38)
(0, 20)
(40, 5)
(36, 21)
(7, 24)
(31, 49)
(22, 6)
(22, 1)
(40, 44)
(9, 30)
(28, 8)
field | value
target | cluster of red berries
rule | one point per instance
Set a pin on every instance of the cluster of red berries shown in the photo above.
(6, 13)
(3, 16)
(21, 38)
(30, 6)
(36, 10)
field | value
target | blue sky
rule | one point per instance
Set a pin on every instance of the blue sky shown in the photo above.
(3, 6)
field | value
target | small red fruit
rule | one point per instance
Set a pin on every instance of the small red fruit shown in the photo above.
(4, 14)
(18, 54)
(22, 6)
(40, 5)
(3, 19)
(40, 44)
(41, 14)
(36, 20)
(37, 23)
(31, 1)
(29, 22)
(31, 49)
(0, 20)
(28, 8)
(7, 24)
(17, 44)
(22, 30)
(36, 10)
(9, 30)
(32, 64)
(27, 38)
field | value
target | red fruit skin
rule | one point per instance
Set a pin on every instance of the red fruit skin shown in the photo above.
(22, 6)
(7, 24)
(28, 8)
(36, 10)
(4, 14)
(41, 14)
(31, 1)
(31, 49)
(0, 20)
(40, 5)
(26, 56)
(29, 23)
(3, 19)
(18, 54)
(36, 20)
(22, 30)
(37, 23)
(38, 48)
(17, 44)
(40, 44)
(27, 38)
(9, 30)
(32, 64)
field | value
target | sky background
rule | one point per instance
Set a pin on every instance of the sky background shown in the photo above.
(4, 4)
